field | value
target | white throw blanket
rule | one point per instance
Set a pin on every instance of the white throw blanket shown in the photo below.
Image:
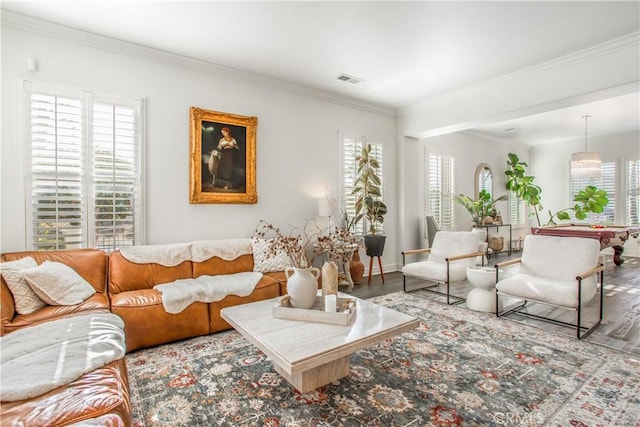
(40, 358)
(178, 295)
(173, 254)
(227, 249)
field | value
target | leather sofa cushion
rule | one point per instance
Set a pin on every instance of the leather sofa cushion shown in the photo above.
(281, 279)
(125, 275)
(266, 288)
(146, 322)
(91, 264)
(99, 393)
(96, 302)
(215, 266)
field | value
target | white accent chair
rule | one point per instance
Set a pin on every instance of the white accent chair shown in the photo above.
(557, 271)
(450, 255)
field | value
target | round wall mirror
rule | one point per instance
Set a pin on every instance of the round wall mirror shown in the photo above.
(483, 179)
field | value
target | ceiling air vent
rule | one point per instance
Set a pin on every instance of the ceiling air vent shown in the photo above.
(350, 79)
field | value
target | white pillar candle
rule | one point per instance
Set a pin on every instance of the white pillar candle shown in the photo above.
(330, 303)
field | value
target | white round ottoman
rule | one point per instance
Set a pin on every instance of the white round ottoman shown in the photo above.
(483, 296)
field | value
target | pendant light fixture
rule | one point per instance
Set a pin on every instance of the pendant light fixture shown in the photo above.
(586, 164)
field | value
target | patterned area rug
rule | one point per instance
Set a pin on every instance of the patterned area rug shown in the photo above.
(459, 367)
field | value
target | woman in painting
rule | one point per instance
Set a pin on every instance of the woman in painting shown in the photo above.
(225, 147)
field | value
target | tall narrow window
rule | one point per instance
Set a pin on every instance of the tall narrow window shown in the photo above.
(85, 172)
(57, 204)
(633, 193)
(115, 175)
(485, 181)
(440, 200)
(606, 182)
(351, 149)
(517, 210)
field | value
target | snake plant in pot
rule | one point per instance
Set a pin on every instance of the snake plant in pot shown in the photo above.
(368, 204)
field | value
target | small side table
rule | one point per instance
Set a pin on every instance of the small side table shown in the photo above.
(483, 296)
(497, 227)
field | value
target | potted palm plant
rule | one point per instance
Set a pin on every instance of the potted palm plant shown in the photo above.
(479, 208)
(368, 204)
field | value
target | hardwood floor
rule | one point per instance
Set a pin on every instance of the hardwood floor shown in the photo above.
(620, 328)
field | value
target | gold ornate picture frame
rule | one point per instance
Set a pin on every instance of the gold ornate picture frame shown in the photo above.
(222, 161)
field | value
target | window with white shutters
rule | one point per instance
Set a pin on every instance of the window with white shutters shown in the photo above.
(58, 207)
(606, 182)
(115, 175)
(517, 210)
(633, 193)
(85, 187)
(351, 149)
(440, 197)
(485, 181)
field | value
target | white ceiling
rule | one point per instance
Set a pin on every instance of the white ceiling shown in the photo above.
(406, 52)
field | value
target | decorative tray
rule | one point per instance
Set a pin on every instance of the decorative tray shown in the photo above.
(346, 311)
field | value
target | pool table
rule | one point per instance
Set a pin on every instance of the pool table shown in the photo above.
(609, 236)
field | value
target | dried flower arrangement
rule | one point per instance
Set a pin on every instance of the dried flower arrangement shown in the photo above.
(303, 244)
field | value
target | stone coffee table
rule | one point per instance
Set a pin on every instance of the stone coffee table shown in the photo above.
(309, 354)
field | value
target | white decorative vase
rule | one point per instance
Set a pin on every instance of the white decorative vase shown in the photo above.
(302, 286)
(329, 279)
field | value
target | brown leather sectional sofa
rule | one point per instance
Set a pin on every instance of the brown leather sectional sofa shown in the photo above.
(126, 289)
(102, 395)
(140, 306)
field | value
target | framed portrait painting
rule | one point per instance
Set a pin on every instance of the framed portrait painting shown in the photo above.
(222, 167)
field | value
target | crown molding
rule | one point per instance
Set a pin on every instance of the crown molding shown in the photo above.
(110, 44)
(628, 41)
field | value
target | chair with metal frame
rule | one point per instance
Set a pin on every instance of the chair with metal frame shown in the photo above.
(558, 271)
(450, 255)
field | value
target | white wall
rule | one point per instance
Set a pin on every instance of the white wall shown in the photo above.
(297, 138)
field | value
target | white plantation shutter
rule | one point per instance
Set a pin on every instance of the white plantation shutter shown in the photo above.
(633, 193)
(115, 175)
(351, 149)
(517, 210)
(85, 171)
(57, 204)
(485, 182)
(606, 182)
(440, 176)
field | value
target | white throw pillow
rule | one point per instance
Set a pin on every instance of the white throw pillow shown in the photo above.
(26, 301)
(263, 262)
(58, 284)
